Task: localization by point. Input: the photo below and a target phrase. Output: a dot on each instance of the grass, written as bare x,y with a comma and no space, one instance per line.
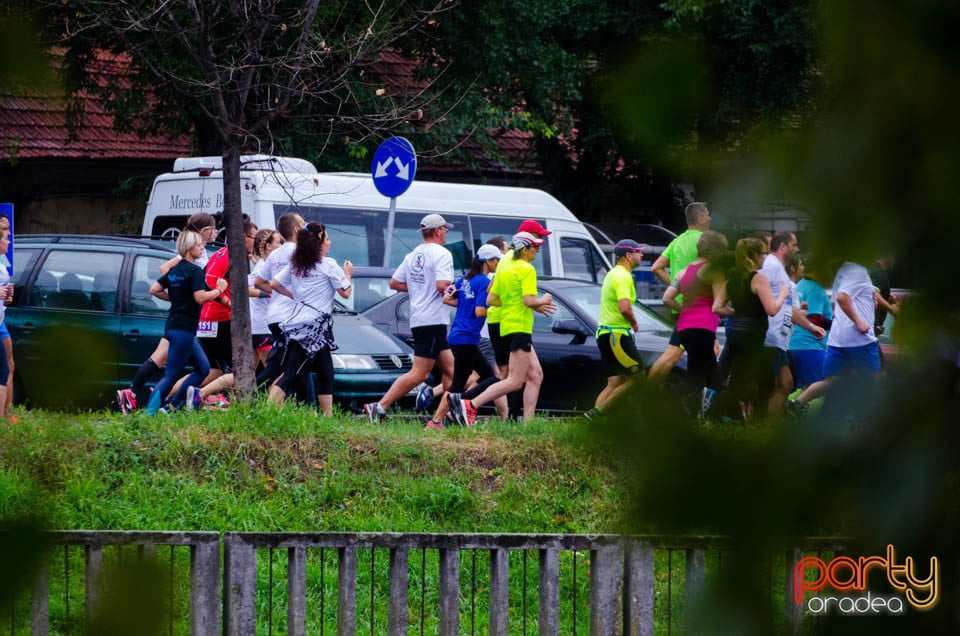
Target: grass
255,468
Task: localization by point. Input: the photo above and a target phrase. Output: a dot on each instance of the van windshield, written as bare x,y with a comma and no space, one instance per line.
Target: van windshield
360,235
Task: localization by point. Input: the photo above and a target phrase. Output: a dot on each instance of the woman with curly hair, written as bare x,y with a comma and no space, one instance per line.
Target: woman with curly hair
311,279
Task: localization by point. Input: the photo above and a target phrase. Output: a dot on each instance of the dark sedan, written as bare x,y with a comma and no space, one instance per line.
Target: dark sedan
565,341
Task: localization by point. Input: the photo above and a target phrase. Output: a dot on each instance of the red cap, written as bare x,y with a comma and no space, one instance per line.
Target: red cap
533,227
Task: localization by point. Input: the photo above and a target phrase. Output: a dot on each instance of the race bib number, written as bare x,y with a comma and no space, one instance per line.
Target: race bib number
207,329
787,327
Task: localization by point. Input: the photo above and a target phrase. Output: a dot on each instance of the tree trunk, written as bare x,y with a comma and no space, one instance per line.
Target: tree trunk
244,379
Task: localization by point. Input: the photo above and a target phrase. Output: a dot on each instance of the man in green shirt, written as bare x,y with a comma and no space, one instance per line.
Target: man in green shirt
681,252
618,349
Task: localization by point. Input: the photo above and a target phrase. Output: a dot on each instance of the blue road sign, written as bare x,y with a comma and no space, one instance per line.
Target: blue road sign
394,166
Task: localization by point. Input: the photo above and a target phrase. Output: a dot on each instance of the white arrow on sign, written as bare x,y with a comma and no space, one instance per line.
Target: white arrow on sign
382,169
404,172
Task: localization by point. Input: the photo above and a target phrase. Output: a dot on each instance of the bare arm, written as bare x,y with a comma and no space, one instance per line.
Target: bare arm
493,300
721,305
659,269
670,298
846,305
202,296
262,284
277,286
543,304
348,274
165,267
760,285
480,312
397,285
626,310
156,289
890,306
443,284
800,318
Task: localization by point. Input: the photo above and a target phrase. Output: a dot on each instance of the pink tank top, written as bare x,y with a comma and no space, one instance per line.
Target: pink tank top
697,310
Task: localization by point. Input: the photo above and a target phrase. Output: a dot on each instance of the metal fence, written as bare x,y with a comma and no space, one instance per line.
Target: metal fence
388,583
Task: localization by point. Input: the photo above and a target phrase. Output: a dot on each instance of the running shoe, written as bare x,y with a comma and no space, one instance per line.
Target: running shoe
218,401
706,401
455,402
126,400
469,413
432,425
424,397
374,412
193,398
593,415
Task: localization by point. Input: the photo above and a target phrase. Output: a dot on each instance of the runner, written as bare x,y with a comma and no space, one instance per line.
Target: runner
703,287
852,346
516,292
618,349
424,274
679,253
806,351
5,333
6,295
184,286
470,299
127,399
311,280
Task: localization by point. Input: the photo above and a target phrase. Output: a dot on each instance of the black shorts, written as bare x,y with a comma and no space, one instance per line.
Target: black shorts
618,351
429,341
519,342
675,337
219,350
501,355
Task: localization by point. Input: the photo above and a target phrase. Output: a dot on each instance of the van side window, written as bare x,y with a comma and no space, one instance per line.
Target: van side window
581,260
485,228
146,269
66,279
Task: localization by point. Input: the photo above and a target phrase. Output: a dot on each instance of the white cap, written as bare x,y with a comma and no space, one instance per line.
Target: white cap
525,239
486,252
433,221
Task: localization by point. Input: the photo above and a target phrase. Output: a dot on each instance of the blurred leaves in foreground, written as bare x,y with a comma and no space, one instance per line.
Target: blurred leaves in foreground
874,162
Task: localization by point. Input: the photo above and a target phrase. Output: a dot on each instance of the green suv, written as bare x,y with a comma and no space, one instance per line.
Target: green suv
82,320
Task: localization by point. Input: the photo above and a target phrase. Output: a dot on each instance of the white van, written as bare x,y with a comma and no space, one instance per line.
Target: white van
356,214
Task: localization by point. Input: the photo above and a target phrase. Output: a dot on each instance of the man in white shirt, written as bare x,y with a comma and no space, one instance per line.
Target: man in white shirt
425,274
783,246
852,345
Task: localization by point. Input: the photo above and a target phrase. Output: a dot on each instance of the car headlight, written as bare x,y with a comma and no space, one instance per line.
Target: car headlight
354,362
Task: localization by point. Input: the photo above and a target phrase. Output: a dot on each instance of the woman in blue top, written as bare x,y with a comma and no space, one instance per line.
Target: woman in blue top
807,352
184,286
469,296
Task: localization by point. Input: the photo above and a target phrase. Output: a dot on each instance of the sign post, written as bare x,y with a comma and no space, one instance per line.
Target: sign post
394,167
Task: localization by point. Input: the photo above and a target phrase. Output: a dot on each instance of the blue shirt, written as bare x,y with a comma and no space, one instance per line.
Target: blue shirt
813,294
466,325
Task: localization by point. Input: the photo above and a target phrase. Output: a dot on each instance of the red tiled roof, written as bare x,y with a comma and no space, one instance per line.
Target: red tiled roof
33,124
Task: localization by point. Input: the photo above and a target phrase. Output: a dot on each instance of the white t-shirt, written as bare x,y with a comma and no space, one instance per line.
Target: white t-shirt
280,306
779,326
258,309
420,270
313,292
854,281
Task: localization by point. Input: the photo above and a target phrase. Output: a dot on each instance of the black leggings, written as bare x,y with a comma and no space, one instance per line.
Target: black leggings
702,369
467,359
298,364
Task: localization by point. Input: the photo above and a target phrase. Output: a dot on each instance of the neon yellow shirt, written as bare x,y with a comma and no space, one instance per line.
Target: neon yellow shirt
520,280
493,313
681,252
617,284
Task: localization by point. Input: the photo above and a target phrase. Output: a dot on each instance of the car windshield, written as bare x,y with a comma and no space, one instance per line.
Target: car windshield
587,298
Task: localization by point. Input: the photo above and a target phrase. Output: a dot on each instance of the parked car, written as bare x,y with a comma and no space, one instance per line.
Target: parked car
82,320
565,342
